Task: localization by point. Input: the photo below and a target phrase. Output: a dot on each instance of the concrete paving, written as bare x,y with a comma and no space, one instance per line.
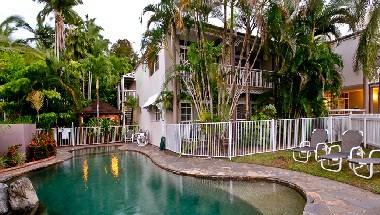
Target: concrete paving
323,196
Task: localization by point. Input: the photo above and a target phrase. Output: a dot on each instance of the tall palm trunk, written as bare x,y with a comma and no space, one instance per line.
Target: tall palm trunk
175,81
59,33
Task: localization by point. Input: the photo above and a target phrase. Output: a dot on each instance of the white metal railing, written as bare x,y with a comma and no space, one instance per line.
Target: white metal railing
257,78
253,78
340,112
240,138
128,93
77,136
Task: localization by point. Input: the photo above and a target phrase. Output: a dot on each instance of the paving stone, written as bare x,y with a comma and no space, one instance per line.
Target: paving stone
324,196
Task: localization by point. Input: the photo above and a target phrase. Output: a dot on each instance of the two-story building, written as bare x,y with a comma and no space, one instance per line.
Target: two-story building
358,95
148,83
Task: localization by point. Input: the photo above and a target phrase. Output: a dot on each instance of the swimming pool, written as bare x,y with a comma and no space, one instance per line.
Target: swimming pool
129,183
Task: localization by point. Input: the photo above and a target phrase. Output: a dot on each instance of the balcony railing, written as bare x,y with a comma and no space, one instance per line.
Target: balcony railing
343,112
255,78
128,93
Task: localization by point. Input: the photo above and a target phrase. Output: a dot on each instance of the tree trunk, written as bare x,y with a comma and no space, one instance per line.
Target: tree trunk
175,81
59,34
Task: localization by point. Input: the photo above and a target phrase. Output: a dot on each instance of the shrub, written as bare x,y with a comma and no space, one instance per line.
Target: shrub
267,113
3,163
14,157
42,146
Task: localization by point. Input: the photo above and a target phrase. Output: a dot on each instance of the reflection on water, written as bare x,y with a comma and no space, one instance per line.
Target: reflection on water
85,171
143,188
115,166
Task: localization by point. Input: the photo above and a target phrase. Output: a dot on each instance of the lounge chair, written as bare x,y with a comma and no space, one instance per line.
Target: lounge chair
351,142
368,162
129,136
318,139
142,138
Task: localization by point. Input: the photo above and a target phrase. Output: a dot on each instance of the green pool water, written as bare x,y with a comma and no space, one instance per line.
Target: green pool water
129,183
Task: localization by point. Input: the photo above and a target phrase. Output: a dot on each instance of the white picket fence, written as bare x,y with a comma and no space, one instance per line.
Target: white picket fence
232,139
78,136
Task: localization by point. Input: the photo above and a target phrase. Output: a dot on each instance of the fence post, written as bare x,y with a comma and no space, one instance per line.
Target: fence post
72,134
179,138
349,122
331,129
365,131
230,140
273,135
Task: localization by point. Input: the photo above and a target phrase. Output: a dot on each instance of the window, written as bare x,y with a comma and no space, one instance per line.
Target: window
157,63
186,112
156,66
157,114
240,112
183,48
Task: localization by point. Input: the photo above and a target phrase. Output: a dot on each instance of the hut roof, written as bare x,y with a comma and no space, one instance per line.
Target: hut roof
104,108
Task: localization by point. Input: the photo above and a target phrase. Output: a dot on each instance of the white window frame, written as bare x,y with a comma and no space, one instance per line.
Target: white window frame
191,111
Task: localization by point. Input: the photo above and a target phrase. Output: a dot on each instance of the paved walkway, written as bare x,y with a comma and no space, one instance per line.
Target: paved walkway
324,196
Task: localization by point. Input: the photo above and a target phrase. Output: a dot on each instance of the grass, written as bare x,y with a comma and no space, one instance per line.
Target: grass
284,160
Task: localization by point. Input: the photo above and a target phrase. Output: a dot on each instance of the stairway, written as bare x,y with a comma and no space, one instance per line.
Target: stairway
128,116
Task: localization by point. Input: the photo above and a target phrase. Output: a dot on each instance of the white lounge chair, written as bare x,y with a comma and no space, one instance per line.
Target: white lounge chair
351,143
369,162
317,142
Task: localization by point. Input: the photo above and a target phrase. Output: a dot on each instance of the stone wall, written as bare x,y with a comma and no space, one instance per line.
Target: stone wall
14,134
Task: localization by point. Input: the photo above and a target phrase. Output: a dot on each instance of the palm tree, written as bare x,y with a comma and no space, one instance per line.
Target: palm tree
7,28
368,49
305,63
63,12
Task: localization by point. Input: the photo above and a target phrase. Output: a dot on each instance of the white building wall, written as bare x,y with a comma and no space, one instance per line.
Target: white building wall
347,49
147,86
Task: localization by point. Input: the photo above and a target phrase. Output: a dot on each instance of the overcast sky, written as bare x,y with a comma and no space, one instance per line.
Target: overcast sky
119,18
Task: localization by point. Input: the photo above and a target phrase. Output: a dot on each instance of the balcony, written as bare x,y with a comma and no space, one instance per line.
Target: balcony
128,93
254,79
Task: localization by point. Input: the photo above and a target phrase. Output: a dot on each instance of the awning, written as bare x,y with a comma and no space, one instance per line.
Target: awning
151,100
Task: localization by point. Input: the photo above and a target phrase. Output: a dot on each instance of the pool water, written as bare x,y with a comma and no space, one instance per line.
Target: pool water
129,183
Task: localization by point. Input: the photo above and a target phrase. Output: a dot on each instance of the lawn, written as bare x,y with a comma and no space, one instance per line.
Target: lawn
284,160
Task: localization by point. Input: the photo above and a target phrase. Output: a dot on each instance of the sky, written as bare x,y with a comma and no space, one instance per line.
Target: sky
120,19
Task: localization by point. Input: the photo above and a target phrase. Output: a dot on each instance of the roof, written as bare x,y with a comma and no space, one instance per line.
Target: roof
347,37
151,100
104,108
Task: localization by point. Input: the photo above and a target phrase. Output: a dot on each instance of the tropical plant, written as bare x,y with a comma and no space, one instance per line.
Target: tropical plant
305,64
63,13
166,98
131,102
42,146
14,157
267,113
36,98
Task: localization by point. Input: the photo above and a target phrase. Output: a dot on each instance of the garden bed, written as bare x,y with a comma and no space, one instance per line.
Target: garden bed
284,160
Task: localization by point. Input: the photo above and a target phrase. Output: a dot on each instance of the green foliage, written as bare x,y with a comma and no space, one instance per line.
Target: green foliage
166,98
14,157
305,64
267,113
3,163
42,146
131,102
19,120
47,120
